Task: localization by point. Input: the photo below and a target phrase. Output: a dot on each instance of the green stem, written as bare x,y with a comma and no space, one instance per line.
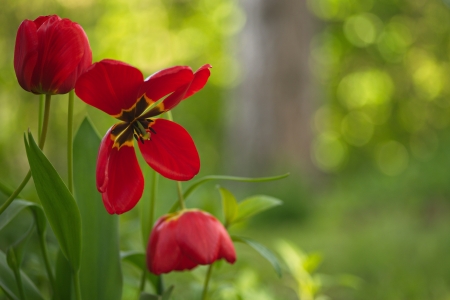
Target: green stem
142,284
180,195
76,281
151,220
47,261
70,142
205,286
41,145
151,212
41,114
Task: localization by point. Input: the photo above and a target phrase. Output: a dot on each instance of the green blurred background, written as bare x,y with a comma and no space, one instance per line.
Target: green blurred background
366,139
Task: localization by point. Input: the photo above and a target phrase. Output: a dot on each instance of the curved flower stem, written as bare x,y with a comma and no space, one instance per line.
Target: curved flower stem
41,146
76,275
70,142
205,286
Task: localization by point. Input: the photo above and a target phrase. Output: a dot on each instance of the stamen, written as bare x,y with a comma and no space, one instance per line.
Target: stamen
152,130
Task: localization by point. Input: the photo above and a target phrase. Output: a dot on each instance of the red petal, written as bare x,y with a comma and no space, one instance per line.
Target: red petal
102,161
198,237
226,249
85,62
197,83
171,151
123,181
110,86
25,53
166,81
60,50
163,253
200,78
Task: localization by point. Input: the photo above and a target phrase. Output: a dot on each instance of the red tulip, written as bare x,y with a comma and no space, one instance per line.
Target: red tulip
50,54
186,239
121,91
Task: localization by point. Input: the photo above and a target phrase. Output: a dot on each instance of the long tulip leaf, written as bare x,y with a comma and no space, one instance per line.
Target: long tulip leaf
58,203
100,269
8,282
266,253
63,278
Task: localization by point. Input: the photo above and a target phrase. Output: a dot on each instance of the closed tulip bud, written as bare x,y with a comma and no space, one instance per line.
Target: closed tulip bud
50,54
186,239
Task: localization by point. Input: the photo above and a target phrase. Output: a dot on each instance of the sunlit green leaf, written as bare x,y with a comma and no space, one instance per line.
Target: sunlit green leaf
230,206
8,282
137,259
59,206
254,205
100,268
266,253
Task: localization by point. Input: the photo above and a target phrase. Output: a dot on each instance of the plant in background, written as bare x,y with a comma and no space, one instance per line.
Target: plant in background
50,55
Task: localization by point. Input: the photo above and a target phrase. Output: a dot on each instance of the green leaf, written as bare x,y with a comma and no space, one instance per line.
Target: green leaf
19,205
254,205
8,282
15,252
205,179
266,253
100,268
137,259
59,206
230,206
63,278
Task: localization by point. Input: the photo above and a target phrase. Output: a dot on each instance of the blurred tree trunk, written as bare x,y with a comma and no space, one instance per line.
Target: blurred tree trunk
272,108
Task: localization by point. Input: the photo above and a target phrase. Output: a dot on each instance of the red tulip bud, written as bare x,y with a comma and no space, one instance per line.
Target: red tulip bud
50,54
186,239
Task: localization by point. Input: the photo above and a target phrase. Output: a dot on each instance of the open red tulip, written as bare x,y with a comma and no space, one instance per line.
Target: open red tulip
50,54
121,91
186,239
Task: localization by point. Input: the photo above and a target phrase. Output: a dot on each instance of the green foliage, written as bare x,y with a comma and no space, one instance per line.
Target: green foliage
229,206
266,253
100,269
137,259
9,285
59,206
